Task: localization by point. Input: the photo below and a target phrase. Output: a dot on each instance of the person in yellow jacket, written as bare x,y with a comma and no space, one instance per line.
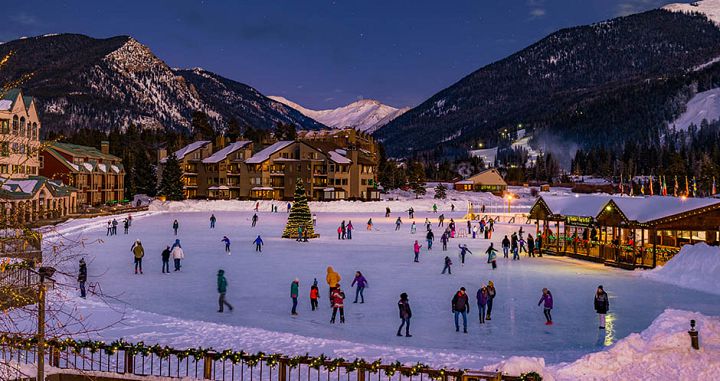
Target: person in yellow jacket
332,278
138,252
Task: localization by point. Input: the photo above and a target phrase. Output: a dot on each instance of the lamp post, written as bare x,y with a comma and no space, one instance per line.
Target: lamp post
509,198
44,272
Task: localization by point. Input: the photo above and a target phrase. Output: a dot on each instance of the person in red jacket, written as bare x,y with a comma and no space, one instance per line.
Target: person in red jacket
338,297
314,296
416,249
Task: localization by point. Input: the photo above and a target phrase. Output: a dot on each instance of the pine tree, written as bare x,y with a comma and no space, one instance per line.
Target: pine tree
171,183
299,214
440,191
144,174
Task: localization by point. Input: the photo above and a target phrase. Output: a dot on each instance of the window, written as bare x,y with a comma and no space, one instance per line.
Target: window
15,125
42,161
4,126
22,126
35,131
5,149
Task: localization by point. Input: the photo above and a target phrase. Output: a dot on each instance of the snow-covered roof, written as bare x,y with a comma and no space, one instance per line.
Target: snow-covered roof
338,157
584,206
464,182
265,153
5,104
221,187
180,154
261,188
651,208
223,153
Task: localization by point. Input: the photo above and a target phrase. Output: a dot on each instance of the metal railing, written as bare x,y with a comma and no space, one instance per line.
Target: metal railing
141,360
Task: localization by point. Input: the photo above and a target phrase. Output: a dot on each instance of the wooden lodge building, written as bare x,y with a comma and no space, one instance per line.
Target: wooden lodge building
625,232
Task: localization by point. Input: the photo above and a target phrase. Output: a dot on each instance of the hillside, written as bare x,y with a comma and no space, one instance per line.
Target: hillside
601,84
365,115
82,82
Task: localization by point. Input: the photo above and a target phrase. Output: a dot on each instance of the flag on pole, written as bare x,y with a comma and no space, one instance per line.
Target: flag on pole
675,190
664,186
622,184
694,187
714,189
651,186
632,191
687,187
642,186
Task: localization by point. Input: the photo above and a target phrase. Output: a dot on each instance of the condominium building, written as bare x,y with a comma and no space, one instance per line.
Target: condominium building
19,135
98,176
190,159
220,173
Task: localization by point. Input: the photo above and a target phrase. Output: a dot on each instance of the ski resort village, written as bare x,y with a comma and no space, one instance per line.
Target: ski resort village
465,191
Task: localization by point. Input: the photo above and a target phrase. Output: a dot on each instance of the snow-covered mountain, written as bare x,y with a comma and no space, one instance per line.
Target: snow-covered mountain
83,82
365,115
711,8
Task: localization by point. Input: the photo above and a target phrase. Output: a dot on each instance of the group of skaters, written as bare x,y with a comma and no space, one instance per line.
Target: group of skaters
113,224
516,244
344,231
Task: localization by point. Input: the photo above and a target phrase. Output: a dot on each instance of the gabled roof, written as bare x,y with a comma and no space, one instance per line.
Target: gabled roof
488,176
655,208
225,152
88,166
83,151
20,189
264,154
8,99
188,149
584,206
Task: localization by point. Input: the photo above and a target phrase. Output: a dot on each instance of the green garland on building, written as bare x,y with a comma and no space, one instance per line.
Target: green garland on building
300,215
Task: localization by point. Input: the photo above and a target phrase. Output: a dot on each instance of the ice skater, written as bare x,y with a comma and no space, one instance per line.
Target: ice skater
444,239
416,250
412,228
505,246
448,263
254,220
178,254
212,221
175,226
222,289
547,301
491,297
405,315
463,251
138,254
398,222
349,228
314,219
258,243
492,256
314,294
482,299
370,224
109,228
602,305
460,307
165,256
294,291
361,284
337,297
226,241
387,212
430,237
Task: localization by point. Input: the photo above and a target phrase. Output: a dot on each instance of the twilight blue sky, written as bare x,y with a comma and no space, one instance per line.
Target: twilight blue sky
323,54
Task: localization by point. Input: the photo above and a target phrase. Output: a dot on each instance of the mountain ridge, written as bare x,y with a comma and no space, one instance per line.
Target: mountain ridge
366,115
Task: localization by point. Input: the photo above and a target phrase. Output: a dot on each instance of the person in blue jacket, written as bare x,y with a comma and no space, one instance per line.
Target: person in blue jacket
258,243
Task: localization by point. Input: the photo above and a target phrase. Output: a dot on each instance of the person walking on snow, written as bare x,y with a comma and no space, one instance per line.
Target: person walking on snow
398,222
226,241
314,293
492,256
547,301
165,256
254,220
405,315
82,277
178,254
430,237
463,251
505,246
333,279
212,221
491,297
602,305
412,228
258,243
222,289
349,229
482,299
337,297
460,307
361,284
416,250
175,226
447,268
294,292
138,253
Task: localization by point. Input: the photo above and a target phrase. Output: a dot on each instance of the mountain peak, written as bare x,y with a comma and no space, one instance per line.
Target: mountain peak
365,114
710,8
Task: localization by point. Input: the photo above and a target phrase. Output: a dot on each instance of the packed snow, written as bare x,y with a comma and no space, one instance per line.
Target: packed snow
179,309
695,266
365,115
711,8
703,106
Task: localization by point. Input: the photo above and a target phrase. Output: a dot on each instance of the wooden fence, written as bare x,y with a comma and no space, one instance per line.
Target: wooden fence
120,358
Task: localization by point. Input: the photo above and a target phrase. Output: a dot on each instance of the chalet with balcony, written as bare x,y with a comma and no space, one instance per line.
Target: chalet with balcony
190,158
221,172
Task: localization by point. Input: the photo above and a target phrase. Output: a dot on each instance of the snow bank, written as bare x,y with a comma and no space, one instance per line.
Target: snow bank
661,352
695,267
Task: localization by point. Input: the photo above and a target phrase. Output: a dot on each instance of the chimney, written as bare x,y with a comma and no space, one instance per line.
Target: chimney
105,147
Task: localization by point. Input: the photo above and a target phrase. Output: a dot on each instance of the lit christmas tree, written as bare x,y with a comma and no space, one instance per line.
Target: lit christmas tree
300,215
